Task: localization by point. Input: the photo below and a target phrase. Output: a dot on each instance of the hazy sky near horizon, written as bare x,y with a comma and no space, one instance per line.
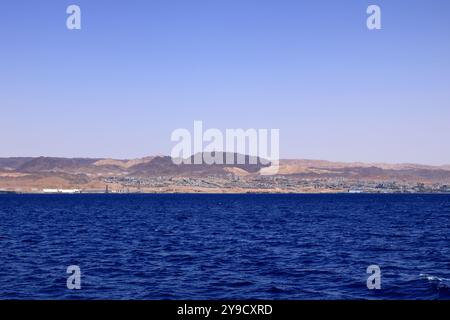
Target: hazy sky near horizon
137,70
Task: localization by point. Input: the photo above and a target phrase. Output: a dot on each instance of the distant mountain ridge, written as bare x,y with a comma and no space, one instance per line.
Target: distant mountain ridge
41,164
37,173
148,166
164,163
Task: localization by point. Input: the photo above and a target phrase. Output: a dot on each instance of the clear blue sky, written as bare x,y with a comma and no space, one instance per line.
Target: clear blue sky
140,69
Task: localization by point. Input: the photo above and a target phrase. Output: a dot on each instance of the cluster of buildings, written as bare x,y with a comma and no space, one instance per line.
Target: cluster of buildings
280,183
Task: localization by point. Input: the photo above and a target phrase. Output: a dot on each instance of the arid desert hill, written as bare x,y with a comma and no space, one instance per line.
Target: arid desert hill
38,173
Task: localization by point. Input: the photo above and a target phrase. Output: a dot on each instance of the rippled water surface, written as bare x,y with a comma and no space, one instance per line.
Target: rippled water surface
224,246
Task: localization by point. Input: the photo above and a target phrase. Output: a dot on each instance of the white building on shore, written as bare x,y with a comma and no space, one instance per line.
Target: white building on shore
69,191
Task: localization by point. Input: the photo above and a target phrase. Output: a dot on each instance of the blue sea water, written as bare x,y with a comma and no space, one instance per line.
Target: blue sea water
225,246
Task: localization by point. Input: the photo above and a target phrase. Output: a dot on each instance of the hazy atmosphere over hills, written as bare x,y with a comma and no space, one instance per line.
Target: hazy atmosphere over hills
160,174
